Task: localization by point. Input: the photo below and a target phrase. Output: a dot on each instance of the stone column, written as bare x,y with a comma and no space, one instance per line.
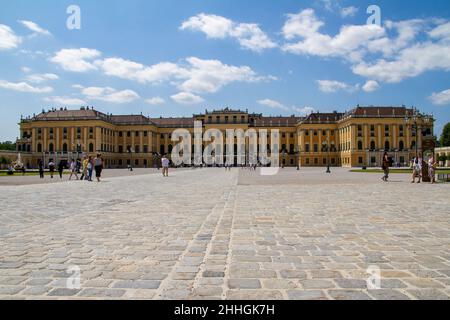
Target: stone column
366,137
45,144
98,139
33,140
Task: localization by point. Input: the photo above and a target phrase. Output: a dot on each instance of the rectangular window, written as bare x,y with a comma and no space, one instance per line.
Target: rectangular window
120,134
128,133
145,133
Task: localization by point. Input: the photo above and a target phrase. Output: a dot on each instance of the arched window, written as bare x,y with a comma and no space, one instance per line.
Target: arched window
372,145
386,146
39,147
360,145
161,149
50,147
19,147
401,145
91,147
413,145
65,147
170,148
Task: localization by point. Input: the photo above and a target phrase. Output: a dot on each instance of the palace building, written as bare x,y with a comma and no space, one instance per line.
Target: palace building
356,138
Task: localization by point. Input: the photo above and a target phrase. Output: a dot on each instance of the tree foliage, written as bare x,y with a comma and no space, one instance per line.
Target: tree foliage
445,137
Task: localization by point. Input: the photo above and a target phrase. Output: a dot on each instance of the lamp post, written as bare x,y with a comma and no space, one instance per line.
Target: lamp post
130,151
284,158
414,127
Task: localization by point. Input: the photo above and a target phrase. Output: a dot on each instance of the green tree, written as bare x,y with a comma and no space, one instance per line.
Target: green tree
445,137
7,145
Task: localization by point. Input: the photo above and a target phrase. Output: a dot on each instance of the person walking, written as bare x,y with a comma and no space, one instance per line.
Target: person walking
41,169
51,168
98,166
165,165
84,175
385,167
90,168
60,169
432,169
73,169
417,168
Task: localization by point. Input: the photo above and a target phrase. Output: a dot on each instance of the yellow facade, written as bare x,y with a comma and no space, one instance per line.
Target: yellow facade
352,139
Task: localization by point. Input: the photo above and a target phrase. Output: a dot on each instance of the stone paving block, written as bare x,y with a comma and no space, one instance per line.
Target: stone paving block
102,293
244,284
306,295
349,295
63,292
136,284
10,290
254,295
388,294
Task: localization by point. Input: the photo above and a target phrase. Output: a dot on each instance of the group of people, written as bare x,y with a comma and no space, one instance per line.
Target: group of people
416,165
86,168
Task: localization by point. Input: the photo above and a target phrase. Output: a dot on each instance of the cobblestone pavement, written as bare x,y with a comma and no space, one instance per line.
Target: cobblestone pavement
211,234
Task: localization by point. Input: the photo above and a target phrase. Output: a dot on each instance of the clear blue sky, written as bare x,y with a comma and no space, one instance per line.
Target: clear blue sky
176,58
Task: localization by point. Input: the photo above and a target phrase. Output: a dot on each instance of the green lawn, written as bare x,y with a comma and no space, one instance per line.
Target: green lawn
438,171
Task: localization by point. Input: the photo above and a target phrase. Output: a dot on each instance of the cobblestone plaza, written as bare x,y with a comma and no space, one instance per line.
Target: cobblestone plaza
214,234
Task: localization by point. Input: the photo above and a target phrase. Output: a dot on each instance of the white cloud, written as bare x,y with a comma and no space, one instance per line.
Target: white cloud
348,11
130,70
370,86
155,101
38,78
24,87
272,104
331,86
108,94
409,62
441,32
349,43
406,31
76,60
66,101
249,35
25,69
8,39
208,76
186,98
304,111
192,75
441,98
391,53
34,27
